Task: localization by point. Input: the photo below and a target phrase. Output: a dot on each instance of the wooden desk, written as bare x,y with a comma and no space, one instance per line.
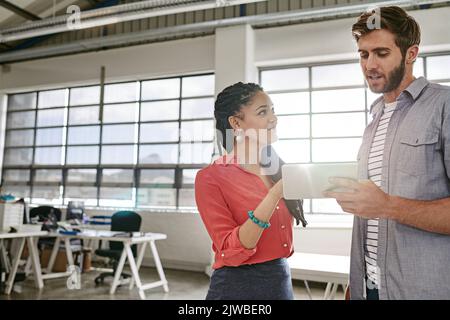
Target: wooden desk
29,237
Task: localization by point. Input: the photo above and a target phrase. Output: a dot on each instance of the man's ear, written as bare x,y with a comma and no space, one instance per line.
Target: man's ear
412,54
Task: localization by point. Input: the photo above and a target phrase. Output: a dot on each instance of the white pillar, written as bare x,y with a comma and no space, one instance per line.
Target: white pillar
3,99
234,59
234,56
234,62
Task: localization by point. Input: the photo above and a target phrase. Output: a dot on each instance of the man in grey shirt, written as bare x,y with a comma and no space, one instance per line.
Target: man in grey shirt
402,211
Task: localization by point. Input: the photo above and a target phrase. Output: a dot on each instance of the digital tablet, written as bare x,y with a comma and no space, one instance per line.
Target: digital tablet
309,181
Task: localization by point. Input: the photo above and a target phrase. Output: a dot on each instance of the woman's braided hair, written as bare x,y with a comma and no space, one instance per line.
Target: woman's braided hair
228,103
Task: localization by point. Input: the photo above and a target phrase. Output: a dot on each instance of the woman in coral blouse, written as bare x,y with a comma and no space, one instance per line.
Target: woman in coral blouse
241,205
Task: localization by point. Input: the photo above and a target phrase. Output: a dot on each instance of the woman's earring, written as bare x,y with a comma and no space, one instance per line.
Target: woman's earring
238,133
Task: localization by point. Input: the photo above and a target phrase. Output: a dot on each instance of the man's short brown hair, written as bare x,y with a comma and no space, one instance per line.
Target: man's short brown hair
394,19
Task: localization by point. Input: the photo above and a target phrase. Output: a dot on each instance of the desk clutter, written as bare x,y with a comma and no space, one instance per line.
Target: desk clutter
100,220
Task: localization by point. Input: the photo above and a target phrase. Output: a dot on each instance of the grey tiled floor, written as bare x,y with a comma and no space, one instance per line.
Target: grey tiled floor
183,285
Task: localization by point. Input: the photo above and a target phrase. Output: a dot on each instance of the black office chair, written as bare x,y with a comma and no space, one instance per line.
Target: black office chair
49,216
126,221
45,212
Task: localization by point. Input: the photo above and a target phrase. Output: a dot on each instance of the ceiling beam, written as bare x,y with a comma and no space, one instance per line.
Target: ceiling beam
19,11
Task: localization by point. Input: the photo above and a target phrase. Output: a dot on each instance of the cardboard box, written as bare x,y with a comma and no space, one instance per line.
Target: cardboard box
60,261
60,264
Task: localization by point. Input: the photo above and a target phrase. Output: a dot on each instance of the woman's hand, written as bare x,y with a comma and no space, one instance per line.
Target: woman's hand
277,190
249,232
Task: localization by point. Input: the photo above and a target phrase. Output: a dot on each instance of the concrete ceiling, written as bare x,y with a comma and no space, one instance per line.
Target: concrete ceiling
39,8
145,30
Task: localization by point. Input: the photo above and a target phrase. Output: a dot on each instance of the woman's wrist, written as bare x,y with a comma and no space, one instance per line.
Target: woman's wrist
259,222
275,194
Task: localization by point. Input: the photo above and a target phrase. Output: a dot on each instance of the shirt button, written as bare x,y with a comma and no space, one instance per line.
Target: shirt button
285,245
283,226
223,254
278,208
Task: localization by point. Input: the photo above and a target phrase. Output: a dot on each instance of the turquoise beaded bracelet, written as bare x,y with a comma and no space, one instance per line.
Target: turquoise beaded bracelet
260,223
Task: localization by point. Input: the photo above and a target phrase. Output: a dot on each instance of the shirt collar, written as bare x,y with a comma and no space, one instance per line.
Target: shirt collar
414,89
226,160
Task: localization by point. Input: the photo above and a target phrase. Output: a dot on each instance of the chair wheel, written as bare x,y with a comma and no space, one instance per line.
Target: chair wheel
98,280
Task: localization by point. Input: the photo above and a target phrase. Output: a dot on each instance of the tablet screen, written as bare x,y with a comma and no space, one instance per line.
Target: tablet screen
309,181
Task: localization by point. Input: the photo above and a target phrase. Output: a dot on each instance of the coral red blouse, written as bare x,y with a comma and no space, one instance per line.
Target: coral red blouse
224,193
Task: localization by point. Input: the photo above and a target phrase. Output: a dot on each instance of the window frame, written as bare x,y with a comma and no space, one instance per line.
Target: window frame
311,89
136,167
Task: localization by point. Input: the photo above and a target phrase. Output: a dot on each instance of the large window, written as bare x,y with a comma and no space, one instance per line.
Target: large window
144,143
323,109
140,147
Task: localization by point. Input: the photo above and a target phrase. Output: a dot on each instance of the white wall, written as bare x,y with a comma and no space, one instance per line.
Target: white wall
132,63
188,245
332,40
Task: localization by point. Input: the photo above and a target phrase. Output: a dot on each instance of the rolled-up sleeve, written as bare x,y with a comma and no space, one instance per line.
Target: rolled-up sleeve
219,222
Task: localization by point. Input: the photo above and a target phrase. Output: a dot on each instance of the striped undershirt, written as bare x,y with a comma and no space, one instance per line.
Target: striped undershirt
375,167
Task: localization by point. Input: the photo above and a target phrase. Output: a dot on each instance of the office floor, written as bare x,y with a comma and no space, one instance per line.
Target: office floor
183,285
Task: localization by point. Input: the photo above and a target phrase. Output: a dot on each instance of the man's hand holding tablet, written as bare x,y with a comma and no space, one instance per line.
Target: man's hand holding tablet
365,198
338,181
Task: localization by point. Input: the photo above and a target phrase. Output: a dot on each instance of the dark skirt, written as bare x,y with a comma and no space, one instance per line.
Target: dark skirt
269,280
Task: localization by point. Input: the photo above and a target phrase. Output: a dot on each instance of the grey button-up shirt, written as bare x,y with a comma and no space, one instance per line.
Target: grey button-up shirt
413,263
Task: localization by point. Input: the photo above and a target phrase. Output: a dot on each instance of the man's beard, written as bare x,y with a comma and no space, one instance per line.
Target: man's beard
394,79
